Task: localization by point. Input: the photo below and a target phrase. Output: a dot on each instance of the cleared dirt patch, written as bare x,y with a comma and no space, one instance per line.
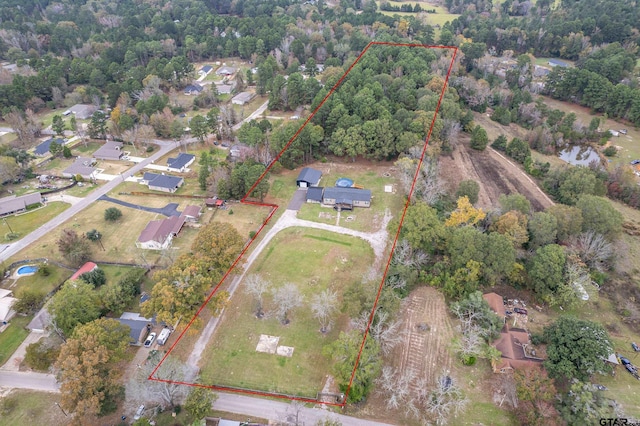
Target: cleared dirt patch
495,174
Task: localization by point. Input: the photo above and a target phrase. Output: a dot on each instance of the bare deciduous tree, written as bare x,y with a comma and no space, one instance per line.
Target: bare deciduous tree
593,249
445,400
324,307
385,331
428,187
257,286
164,394
286,298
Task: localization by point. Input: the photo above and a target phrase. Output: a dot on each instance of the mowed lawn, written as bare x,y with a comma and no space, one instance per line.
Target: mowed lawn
40,283
25,223
313,260
12,337
23,407
370,177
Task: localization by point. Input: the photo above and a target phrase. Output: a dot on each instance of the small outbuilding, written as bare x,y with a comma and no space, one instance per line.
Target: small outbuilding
87,267
308,177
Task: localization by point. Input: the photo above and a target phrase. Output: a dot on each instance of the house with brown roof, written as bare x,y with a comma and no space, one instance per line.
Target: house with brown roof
191,213
111,150
159,234
496,303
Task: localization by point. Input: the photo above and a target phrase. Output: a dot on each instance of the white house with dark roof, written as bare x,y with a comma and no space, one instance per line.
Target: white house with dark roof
158,234
111,150
164,183
180,163
243,98
205,70
308,177
14,204
193,89
81,111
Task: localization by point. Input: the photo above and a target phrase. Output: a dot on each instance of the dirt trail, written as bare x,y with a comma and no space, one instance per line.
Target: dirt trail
496,175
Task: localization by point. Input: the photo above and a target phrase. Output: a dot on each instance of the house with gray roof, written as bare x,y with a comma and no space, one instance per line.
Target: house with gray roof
308,177
164,183
243,98
158,234
193,89
81,111
139,327
225,70
225,89
43,149
111,150
14,204
346,198
83,166
180,163
205,70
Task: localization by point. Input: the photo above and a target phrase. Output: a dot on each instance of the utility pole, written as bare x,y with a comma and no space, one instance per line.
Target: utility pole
7,223
65,414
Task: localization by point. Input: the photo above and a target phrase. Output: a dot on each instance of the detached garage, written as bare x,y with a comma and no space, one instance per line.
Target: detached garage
308,177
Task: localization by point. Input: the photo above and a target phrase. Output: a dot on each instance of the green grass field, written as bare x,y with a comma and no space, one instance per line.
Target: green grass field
327,260
12,337
40,283
27,222
23,407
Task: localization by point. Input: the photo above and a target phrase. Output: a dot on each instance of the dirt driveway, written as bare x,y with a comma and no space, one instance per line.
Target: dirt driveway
495,173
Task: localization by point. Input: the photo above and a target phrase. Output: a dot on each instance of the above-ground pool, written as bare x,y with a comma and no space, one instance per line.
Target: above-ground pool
27,270
344,183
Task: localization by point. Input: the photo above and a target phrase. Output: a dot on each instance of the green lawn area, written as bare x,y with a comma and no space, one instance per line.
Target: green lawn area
23,407
86,149
330,261
441,16
84,190
12,337
41,283
27,222
369,177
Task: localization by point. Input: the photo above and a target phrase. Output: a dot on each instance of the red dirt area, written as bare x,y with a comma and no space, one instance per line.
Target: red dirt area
494,172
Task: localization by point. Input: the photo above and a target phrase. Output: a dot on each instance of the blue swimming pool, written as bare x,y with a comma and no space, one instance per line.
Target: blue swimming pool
26,270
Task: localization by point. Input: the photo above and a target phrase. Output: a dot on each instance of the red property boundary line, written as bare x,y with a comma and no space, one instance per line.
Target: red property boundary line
275,207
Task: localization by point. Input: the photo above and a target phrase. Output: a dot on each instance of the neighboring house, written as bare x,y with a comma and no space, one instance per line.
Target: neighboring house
225,89
512,344
43,149
40,322
225,70
81,111
539,71
111,150
87,267
243,98
83,166
314,194
205,70
214,202
180,163
557,63
217,421
159,234
164,183
13,204
139,327
6,302
346,198
191,213
193,89
239,151
496,303
308,177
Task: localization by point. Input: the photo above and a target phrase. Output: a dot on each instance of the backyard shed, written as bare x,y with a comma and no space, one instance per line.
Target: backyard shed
308,177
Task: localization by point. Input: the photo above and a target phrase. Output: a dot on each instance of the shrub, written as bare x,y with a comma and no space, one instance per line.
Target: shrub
150,148
44,270
610,151
112,214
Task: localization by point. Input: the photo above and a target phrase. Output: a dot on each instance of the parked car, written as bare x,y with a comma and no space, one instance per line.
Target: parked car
623,360
631,369
634,162
635,347
150,339
508,312
600,387
623,131
139,412
520,311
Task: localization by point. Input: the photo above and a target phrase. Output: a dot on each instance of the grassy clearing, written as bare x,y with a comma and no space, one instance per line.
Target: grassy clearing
84,190
40,283
246,110
12,337
25,407
232,360
245,218
27,222
88,149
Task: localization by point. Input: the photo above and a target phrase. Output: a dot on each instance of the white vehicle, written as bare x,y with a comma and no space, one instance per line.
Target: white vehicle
164,335
150,339
139,412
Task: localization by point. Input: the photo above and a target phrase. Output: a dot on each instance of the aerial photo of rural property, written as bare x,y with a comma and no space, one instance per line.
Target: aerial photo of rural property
319,212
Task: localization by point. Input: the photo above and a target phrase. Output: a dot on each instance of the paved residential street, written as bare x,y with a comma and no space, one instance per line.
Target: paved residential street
29,380
275,410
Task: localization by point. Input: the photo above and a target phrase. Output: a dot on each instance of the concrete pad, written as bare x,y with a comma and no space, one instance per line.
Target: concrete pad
267,344
285,351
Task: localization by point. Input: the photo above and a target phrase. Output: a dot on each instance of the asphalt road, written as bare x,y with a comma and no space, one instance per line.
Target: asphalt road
34,236
275,410
29,380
